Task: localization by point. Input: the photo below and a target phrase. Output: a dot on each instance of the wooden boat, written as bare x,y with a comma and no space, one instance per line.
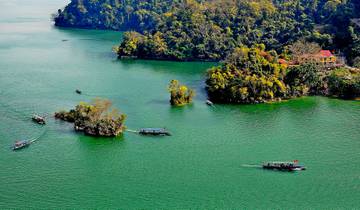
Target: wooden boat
21,144
154,131
284,166
38,119
78,91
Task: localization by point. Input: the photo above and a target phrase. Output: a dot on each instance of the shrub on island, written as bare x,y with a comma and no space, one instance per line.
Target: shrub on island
180,94
95,119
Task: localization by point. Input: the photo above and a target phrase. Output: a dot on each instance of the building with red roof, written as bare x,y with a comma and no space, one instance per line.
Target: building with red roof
326,57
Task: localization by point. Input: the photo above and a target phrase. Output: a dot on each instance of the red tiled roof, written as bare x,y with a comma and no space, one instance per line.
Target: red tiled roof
282,61
325,53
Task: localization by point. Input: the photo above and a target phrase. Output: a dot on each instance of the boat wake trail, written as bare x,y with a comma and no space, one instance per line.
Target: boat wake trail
34,139
250,166
132,131
42,134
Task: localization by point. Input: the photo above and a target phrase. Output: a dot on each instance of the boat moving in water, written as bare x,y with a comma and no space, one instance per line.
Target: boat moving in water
78,91
284,166
38,119
209,103
154,131
22,144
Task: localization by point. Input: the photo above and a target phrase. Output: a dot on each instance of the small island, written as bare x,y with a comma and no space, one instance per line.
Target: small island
96,118
180,94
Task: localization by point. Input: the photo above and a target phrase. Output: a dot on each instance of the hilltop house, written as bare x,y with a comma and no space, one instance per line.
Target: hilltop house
325,57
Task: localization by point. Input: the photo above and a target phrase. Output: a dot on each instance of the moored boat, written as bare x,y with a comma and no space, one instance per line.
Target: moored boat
38,119
284,166
154,131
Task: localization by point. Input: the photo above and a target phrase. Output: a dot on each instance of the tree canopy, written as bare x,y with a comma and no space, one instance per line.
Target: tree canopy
250,75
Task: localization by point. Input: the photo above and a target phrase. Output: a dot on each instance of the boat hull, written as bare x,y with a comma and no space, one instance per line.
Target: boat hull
20,147
154,132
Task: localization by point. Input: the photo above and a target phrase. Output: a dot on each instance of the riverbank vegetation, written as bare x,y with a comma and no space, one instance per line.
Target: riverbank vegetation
345,83
180,94
95,119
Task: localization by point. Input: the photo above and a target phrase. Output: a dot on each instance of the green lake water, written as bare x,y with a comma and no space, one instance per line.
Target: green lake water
208,163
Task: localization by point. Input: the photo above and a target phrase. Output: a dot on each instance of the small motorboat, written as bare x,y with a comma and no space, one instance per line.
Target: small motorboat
209,103
21,144
38,119
154,131
284,166
78,91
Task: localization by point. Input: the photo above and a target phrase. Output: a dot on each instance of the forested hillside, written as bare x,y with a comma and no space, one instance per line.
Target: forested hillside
112,14
211,29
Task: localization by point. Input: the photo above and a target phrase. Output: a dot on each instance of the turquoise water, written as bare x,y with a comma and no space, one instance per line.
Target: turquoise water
209,161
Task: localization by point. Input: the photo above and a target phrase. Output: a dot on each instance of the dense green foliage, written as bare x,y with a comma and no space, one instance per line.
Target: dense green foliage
112,14
249,75
304,79
95,119
180,94
212,29
345,83
353,48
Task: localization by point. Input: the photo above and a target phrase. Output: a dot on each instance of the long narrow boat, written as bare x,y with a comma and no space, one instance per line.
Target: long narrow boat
22,144
284,166
154,131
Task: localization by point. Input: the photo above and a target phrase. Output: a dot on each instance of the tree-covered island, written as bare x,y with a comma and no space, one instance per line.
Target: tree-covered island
271,49
95,119
180,94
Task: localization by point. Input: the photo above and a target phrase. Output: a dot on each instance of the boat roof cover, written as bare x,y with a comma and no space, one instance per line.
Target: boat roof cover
153,129
281,162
